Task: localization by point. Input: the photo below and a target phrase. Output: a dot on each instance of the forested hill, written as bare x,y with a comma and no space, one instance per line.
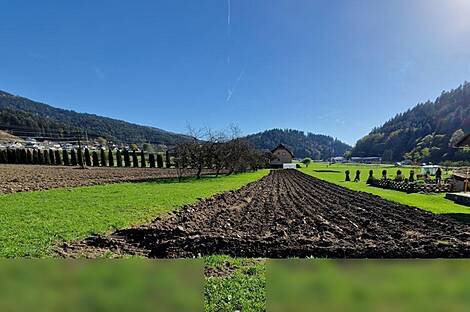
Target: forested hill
302,144
424,133
21,113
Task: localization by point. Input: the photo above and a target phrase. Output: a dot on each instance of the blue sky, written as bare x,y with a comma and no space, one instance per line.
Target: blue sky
332,67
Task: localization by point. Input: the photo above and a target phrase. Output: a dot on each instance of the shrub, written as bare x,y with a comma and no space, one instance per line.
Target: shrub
29,157
104,163
119,158
152,160
17,156
135,160
357,178
96,161
47,160
167,159
3,156
143,163
384,174
111,158
65,157
159,161
58,160
299,166
80,157
399,177
370,179
73,157
348,178
51,157
23,156
127,159
35,157
87,157
41,160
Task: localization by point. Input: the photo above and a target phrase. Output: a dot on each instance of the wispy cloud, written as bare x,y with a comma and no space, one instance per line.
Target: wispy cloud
233,88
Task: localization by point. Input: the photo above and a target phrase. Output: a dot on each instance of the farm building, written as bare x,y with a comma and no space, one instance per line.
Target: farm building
281,155
458,179
367,160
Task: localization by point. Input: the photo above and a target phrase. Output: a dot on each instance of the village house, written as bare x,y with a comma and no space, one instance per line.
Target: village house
281,157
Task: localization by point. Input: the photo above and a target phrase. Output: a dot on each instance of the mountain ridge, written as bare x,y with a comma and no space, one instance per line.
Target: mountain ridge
423,133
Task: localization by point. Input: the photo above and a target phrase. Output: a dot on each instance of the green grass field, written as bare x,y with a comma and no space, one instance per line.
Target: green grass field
433,203
32,223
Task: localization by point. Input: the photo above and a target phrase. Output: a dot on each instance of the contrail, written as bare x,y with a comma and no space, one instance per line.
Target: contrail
228,12
231,91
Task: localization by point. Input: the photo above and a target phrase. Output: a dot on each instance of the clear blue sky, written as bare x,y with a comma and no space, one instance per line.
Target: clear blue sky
335,68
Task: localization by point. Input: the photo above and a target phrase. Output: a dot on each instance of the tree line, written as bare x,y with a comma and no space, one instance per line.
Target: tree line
425,133
203,149
78,157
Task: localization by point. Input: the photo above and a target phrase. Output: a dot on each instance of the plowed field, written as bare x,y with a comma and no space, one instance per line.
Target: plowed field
290,214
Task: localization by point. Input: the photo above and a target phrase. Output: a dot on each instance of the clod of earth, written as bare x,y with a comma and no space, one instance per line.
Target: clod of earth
290,214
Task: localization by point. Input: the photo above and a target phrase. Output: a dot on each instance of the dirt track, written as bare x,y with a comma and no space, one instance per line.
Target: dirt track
290,214
25,178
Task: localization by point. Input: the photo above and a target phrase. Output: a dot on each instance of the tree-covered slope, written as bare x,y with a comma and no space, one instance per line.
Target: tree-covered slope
41,118
425,133
302,144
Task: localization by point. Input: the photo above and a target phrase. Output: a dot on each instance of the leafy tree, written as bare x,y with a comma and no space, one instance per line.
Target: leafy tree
134,147
306,161
148,148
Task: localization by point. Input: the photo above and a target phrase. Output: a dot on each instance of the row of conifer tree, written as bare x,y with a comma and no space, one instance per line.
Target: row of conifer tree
88,158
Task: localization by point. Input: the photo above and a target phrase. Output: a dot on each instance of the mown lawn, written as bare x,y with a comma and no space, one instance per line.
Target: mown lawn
31,224
433,203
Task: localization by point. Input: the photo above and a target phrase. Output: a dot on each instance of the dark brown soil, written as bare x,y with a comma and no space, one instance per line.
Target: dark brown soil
290,214
24,178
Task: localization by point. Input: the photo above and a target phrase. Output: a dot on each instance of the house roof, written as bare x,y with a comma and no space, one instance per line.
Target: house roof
465,141
282,147
461,174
